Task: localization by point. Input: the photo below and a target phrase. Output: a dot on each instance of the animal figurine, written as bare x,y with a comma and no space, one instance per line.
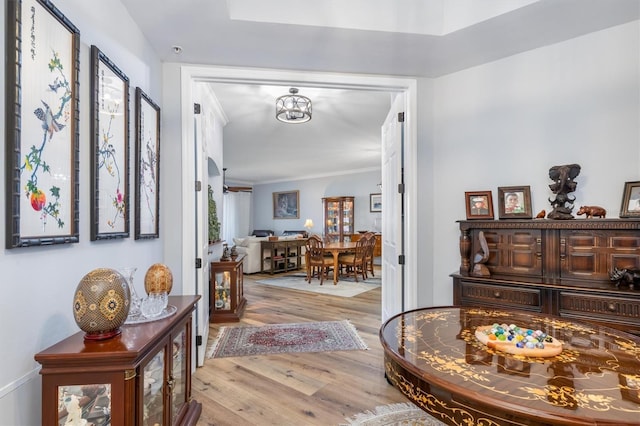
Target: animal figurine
592,211
625,276
542,214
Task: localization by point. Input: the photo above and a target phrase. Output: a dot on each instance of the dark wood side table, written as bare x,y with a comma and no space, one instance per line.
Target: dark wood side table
433,357
142,376
284,255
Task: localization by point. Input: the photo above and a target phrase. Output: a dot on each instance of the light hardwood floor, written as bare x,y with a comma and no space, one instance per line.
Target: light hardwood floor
321,388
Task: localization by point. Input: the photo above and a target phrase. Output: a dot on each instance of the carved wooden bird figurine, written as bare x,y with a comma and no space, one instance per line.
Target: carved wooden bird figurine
541,215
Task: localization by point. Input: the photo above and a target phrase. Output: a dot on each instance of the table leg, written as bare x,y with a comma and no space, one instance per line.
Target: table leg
336,253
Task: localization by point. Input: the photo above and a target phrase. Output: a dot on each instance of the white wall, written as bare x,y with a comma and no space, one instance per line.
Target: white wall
39,282
506,123
358,185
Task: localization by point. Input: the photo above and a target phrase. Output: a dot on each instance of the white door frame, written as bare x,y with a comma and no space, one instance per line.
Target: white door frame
190,75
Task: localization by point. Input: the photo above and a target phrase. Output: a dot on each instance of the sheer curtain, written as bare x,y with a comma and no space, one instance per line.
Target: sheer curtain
236,215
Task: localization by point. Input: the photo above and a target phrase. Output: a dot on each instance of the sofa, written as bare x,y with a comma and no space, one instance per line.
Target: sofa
250,247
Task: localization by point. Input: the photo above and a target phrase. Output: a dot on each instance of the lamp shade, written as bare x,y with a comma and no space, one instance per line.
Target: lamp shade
308,224
293,108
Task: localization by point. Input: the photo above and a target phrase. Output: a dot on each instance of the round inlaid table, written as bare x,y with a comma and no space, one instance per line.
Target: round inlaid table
433,357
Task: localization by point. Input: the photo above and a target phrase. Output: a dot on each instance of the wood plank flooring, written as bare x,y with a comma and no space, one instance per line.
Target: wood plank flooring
300,389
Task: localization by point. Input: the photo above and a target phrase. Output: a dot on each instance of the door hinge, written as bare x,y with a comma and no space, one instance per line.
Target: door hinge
196,108
198,340
401,188
401,117
198,263
198,186
401,259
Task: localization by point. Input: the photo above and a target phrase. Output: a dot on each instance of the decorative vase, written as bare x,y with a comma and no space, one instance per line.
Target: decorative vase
101,303
158,279
128,272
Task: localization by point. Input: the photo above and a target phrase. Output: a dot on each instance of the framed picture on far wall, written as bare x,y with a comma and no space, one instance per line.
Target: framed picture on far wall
375,202
479,205
514,202
630,200
285,205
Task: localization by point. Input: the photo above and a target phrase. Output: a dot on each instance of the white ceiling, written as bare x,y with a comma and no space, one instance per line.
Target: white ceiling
425,38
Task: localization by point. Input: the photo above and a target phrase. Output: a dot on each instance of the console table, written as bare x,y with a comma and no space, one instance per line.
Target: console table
141,377
433,357
284,255
558,267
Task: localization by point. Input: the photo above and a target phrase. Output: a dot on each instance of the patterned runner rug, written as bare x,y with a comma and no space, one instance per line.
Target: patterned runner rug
403,414
286,338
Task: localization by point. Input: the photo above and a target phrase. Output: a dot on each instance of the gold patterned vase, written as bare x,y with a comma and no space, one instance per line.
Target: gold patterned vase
101,303
158,279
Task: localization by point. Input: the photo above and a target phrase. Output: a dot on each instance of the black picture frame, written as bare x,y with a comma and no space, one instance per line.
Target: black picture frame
514,202
110,149
42,125
147,167
479,205
630,207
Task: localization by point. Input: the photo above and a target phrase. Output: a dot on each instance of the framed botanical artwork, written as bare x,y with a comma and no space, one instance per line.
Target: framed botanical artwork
42,125
479,205
286,205
147,167
375,202
630,200
109,149
514,202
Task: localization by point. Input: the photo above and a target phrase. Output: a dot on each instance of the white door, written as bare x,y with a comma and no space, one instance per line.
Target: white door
201,231
392,211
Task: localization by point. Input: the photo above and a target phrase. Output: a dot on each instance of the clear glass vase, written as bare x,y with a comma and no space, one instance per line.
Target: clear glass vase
128,272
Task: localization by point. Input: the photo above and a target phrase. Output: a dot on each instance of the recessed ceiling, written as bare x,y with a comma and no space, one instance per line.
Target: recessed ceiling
426,17
421,38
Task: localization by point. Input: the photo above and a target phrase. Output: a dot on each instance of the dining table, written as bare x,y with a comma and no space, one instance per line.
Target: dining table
335,248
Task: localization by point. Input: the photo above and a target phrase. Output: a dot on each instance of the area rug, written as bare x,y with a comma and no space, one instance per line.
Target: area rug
346,287
403,414
321,336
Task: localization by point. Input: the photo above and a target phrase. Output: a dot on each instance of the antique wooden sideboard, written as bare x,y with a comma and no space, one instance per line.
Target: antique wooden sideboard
558,267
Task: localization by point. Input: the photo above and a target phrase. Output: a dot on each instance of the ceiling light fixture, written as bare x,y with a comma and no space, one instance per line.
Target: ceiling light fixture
293,108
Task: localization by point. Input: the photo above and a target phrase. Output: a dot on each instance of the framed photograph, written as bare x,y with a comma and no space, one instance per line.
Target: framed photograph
375,202
631,200
42,125
479,205
514,202
109,149
147,167
285,205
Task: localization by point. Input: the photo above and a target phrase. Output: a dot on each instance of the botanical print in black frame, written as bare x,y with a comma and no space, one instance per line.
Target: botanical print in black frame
42,125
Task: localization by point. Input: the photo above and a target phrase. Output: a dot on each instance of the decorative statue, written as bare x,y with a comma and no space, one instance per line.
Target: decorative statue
625,276
481,257
563,176
225,254
234,252
592,211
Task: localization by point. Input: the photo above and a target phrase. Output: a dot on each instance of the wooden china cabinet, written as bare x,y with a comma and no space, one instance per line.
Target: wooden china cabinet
140,377
558,267
226,291
338,218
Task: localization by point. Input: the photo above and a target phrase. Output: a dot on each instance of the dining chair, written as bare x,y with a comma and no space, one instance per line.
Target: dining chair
368,259
317,261
354,261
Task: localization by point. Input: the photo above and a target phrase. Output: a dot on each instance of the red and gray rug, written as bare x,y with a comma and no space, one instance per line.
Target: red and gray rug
321,336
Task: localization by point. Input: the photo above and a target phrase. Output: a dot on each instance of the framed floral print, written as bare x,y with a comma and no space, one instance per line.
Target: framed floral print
630,200
42,125
147,167
514,202
479,205
110,149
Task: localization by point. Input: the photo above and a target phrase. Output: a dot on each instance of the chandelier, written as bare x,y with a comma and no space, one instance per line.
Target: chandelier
293,108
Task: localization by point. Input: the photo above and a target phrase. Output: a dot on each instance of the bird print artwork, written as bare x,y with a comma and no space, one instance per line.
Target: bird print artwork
49,123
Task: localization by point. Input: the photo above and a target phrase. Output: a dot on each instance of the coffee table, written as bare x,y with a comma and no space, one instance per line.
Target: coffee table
433,357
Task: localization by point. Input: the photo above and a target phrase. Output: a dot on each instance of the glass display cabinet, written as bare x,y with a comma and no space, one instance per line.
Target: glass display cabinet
226,292
141,377
338,218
